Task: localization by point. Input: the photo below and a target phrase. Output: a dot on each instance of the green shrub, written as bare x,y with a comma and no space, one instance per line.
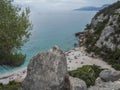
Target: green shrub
13,60
116,66
11,86
87,73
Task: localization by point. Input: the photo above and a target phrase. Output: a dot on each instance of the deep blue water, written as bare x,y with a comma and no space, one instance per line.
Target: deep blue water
52,28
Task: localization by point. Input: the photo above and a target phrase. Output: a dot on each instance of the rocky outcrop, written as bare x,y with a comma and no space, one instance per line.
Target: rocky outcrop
47,71
104,28
109,34
77,84
103,35
101,85
108,80
109,75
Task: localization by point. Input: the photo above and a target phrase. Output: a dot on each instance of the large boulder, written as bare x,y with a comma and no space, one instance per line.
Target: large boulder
47,71
77,84
110,75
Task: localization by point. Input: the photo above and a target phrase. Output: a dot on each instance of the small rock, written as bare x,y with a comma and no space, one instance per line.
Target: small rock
98,81
106,86
110,75
77,84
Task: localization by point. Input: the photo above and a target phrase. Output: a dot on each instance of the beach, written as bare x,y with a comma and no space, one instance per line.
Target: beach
17,76
76,58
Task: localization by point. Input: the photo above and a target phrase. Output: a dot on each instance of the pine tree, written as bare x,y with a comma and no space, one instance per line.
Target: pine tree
14,32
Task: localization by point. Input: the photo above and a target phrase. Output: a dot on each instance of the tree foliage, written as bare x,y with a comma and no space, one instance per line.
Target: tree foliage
11,86
14,32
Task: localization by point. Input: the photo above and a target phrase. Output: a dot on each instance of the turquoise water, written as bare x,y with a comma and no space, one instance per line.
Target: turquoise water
52,28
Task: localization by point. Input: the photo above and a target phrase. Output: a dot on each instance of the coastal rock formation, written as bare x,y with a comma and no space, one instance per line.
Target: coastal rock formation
77,84
109,34
108,80
103,31
47,71
101,37
106,86
105,24
101,85
109,75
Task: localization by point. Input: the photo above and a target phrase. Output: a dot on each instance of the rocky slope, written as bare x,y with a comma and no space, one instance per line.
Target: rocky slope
102,35
105,27
48,71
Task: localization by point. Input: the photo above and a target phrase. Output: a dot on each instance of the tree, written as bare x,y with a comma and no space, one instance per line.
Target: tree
14,32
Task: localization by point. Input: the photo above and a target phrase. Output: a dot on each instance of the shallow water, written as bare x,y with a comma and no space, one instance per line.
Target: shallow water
52,28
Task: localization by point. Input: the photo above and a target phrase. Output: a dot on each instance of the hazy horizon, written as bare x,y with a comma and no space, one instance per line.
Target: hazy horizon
61,5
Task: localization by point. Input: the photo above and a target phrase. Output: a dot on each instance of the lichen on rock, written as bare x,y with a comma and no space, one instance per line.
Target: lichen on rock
46,71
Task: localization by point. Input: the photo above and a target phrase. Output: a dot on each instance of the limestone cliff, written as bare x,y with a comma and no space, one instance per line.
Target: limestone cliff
102,35
105,27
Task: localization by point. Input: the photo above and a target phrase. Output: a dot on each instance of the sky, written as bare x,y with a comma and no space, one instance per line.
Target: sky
63,4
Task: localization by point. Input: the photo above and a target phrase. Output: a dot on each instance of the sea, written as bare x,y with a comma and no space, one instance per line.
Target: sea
52,28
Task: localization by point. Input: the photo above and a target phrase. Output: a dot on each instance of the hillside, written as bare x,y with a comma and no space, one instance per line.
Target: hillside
92,8
102,35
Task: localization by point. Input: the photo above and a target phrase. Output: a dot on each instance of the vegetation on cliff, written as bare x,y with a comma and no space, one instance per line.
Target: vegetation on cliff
111,19
87,73
14,32
109,10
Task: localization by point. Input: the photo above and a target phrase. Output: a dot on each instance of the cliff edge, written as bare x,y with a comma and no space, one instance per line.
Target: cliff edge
102,35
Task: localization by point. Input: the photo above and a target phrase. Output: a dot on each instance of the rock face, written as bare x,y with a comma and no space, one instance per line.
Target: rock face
109,75
109,35
104,28
77,84
47,71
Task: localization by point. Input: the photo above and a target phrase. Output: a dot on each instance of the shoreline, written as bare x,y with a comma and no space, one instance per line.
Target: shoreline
76,57
17,76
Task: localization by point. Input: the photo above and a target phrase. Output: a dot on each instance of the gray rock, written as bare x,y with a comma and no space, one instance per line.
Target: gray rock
101,85
77,84
98,19
98,81
108,34
47,71
110,75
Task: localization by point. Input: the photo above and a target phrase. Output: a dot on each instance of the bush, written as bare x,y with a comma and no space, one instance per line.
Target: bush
15,59
87,73
11,86
116,66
